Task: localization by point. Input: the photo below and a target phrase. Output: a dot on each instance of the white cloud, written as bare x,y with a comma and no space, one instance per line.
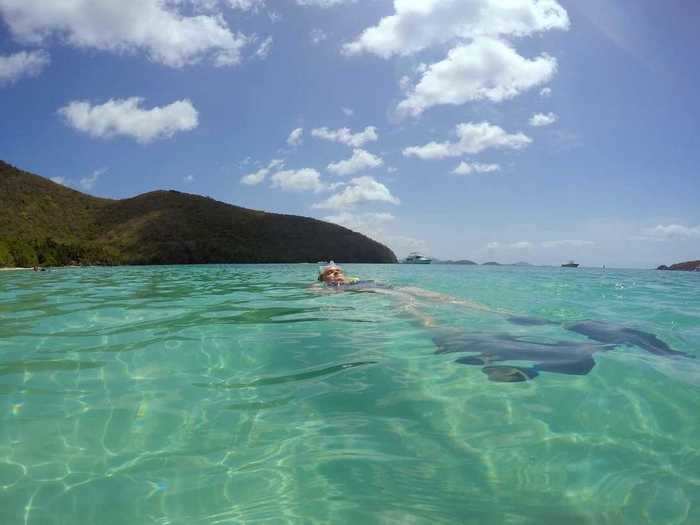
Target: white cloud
189,179
567,243
296,137
673,231
264,48
347,112
519,246
485,69
545,92
359,190
22,64
374,225
543,119
88,183
317,36
127,118
322,3
59,180
154,27
360,160
246,5
473,138
347,137
306,179
419,24
369,224
466,168
253,179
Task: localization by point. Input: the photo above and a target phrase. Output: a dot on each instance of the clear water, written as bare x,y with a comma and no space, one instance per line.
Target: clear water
236,394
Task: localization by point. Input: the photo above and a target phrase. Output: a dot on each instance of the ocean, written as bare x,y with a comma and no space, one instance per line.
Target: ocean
191,395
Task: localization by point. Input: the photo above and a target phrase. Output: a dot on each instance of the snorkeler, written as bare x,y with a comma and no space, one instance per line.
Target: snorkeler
494,352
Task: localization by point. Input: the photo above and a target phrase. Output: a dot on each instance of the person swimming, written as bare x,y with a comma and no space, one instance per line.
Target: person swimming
495,352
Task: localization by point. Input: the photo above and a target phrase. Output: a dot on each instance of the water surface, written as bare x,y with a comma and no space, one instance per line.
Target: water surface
237,394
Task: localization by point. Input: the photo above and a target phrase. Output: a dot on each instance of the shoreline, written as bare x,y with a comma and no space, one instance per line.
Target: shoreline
12,269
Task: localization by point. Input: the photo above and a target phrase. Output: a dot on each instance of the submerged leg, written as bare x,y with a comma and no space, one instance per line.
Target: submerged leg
575,367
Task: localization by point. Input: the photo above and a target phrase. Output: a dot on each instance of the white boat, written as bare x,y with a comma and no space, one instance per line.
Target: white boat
417,258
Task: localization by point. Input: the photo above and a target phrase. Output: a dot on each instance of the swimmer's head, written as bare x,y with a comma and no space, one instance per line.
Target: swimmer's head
331,274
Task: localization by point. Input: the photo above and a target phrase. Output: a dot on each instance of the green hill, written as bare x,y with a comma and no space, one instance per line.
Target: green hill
46,223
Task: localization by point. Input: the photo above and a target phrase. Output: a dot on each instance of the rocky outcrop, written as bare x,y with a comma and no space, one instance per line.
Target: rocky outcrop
688,266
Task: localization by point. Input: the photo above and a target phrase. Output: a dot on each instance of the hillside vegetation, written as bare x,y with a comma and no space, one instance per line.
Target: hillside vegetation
49,224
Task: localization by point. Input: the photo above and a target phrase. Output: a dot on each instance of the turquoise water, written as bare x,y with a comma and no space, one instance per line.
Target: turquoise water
239,394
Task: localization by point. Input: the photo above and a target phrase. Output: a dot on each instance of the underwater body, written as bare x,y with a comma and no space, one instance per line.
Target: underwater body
240,394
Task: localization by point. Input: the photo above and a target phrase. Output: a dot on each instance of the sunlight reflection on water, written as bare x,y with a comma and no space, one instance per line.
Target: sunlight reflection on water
229,394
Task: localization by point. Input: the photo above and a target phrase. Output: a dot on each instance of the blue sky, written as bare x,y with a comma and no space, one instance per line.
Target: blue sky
509,130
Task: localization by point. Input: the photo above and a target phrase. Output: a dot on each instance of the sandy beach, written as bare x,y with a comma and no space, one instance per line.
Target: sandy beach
12,269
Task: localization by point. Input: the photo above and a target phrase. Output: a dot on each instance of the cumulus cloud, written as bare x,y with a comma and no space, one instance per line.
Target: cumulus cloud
485,69
673,232
360,160
419,24
347,137
59,180
296,137
188,179
472,138
347,112
545,92
22,64
359,190
128,119
154,27
306,179
466,168
543,119
253,179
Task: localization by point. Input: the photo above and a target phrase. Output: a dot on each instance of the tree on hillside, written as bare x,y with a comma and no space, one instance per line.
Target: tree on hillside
6,259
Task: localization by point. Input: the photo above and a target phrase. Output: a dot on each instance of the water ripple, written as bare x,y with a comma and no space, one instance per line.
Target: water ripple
238,394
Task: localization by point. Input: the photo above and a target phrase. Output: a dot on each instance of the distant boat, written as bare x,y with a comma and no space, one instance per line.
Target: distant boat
570,264
417,258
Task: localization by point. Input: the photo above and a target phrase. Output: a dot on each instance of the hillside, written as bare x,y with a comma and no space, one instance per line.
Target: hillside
46,223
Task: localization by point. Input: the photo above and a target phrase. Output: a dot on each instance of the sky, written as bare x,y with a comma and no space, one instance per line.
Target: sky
492,130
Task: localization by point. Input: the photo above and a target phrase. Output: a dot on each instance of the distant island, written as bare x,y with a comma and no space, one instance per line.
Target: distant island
688,266
47,224
464,262
467,262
